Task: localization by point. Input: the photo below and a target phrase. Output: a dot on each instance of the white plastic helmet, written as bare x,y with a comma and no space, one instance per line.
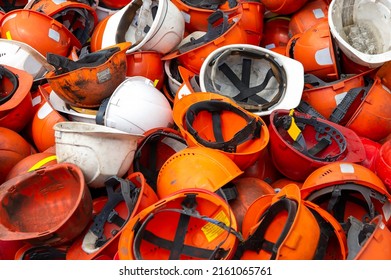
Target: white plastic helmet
135,107
23,57
99,151
258,79
361,30
156,25
72,113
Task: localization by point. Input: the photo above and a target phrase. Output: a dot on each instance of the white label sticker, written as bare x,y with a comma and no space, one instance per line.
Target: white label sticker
53,34
318,13
186,16
44,111
36,100
323,57
346,168
270,46
339,97
386,210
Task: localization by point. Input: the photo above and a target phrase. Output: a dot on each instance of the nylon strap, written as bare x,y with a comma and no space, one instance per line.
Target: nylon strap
43,253
251,131
357,235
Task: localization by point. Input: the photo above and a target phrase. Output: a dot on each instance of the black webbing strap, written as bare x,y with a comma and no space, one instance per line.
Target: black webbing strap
247,93
7,74
63,64
151,171
306,108
100,115
127,192
177,246
326,231
257,242
325,134
339,195
43,253
213,32
205,4
357,235
251,131
342,108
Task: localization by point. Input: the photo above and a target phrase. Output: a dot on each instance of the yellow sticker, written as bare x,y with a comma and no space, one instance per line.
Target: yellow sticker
213,231
42,162
8,35
155,82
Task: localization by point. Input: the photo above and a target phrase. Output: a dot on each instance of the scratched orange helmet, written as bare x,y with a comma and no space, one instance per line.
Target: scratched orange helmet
13,148
368,240
88,81
212,120
283,7
208,169
16,107
280,227
348,189
31,163
315,50
51,36
35,220
189,224
125,198
78,17
307,16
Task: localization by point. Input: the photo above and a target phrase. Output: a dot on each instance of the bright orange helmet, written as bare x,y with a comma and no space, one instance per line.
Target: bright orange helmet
52,36
283,7
314,49
203,220
215,121
208,169
348,189
383,164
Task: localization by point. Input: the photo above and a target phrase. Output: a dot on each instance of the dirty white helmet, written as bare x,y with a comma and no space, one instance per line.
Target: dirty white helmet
361,30
99,151
258,79
148,24
135,107
23,57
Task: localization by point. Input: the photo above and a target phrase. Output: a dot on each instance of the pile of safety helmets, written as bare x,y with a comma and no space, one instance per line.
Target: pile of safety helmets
187,129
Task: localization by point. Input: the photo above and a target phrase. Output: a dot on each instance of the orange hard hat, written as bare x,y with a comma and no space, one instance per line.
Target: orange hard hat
209,169
348,189
215,121
16,107
383,164
13,148
283,7
275,33
203,220
35,220
88,81
314,49
31,163
125,198
279,226
148,64
52,36
78,17
307,16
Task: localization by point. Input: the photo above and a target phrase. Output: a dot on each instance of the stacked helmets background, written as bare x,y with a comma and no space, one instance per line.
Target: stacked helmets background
187,129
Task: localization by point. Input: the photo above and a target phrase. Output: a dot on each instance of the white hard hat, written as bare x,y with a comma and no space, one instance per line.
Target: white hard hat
99,151
361,30
137,23
258,79
135,107
24,57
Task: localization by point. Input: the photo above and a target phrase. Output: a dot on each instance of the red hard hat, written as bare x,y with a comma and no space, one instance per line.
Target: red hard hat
283,7
383,164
